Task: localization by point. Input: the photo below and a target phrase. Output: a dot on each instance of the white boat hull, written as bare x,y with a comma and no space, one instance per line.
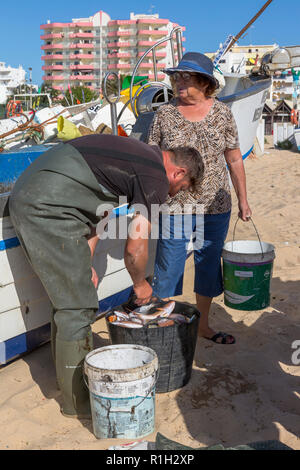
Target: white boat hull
297,137
25,310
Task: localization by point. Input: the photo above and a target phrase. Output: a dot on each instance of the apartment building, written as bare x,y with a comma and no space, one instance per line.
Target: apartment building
82,51
10,78
241,59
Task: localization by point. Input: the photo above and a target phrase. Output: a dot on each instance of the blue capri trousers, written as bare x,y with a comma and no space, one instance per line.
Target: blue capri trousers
208,233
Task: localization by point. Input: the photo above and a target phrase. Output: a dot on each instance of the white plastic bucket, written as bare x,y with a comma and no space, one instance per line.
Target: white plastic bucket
121,381
50,130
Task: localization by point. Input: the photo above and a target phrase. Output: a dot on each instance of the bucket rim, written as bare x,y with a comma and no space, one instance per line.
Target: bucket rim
123,346
271,248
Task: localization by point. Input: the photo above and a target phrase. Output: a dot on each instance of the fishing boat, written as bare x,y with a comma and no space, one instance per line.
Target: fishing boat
297,137
25,309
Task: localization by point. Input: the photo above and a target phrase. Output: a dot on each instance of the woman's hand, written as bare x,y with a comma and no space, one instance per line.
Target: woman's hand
143,292
244,211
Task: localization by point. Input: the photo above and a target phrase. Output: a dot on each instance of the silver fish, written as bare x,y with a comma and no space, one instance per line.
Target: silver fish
127,324
144,308
167,309
178,317
121,315
146,317
135,319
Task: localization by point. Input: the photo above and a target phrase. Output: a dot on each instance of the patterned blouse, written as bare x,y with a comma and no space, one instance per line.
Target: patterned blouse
211,137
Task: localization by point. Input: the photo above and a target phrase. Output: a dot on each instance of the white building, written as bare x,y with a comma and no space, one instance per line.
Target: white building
10,78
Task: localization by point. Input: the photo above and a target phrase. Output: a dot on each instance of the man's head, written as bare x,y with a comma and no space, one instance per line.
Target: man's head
184,168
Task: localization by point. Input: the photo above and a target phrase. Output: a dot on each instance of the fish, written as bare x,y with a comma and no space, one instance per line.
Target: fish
127,324
178,317
167,309
165,322
150,316
135,319
121,315
144,308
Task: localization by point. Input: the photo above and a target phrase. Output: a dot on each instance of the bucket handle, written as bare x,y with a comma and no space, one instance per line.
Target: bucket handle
250,218
132,410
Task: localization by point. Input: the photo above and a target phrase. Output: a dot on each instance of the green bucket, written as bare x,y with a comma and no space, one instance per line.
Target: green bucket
247,273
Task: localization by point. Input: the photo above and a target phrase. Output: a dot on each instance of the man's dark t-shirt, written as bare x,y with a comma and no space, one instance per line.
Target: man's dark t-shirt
126,167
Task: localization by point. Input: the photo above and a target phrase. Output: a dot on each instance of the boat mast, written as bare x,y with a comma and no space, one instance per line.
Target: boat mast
237,37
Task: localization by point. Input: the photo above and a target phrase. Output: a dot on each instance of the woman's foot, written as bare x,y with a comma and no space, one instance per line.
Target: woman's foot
219,338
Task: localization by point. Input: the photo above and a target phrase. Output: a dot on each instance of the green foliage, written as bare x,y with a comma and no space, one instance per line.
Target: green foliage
78,92
2,111
285,145
54,94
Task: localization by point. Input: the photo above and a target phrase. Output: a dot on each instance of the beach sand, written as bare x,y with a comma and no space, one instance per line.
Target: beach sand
237,394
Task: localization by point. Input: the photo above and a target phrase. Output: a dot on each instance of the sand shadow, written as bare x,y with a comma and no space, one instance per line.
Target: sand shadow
245,390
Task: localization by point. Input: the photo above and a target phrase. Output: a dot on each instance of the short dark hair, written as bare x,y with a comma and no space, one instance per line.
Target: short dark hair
211,86
189,158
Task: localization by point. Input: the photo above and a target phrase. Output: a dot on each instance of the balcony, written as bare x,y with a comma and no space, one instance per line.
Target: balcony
149,65
54,25
52,77
52,46
81,35
82,67
52,67
153,32
157,54
120,55
52,36
120,22
121,44
152,21
81,45
121,33
81,56
82,24
53,56
81,77
149,43
119,66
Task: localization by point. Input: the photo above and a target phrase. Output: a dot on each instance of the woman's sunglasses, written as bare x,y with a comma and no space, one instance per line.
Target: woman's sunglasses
185,76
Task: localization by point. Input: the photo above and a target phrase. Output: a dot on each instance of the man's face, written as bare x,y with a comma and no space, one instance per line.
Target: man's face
179,185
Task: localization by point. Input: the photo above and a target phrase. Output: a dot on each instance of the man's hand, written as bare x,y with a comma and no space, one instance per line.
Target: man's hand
95,278
143,292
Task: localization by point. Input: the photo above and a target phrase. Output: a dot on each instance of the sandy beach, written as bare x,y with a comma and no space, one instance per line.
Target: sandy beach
238,393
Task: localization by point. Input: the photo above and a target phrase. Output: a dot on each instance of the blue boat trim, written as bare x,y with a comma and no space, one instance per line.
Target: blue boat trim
9,243
248,153
14,347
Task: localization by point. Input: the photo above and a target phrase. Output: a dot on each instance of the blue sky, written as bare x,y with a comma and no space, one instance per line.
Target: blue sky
207,23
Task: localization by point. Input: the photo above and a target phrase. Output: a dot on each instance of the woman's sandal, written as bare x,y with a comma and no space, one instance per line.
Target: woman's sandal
222,335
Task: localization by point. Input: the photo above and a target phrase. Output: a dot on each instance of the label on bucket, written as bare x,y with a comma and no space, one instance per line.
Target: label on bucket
243,273
123,389
248,287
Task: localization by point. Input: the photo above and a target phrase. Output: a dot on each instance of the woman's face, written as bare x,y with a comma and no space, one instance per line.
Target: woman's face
187,85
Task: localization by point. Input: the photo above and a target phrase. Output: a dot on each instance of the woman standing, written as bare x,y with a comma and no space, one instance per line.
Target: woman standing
195,119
